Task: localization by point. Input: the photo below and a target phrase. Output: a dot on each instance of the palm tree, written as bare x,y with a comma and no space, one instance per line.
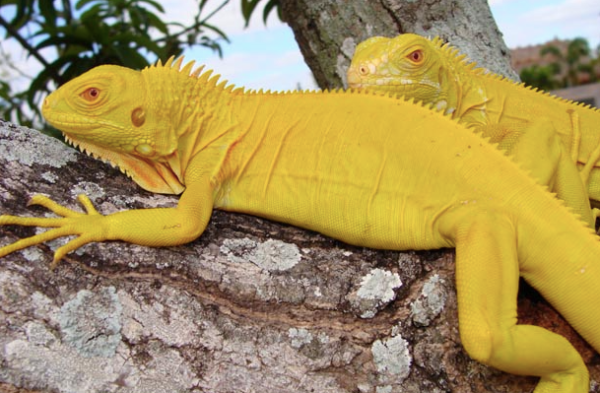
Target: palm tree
578,60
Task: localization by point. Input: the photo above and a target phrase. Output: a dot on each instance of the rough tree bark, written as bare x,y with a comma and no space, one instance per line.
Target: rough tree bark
250,306
328,31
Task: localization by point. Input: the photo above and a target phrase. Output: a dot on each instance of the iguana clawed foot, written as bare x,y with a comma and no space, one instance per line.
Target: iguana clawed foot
86,226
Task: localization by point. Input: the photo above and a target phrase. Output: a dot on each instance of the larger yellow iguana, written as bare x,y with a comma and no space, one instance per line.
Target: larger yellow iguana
523,121
367,169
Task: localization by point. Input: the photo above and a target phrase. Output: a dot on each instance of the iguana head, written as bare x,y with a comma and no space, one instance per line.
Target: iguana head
130,118
408,65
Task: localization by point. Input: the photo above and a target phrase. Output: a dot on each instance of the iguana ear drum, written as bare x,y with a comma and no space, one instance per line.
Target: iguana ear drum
138,117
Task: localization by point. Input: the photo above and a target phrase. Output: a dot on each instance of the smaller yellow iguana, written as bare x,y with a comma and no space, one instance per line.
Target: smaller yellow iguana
368,169
524,122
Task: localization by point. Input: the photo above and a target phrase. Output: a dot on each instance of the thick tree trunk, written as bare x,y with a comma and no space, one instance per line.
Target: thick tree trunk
328,31
251,306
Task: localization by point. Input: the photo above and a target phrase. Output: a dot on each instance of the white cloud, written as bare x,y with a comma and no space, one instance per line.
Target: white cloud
263,70
541,22
231,67
283,81
569,11
26,66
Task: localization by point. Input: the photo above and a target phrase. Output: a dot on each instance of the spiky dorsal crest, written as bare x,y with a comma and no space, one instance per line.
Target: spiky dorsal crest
174,64
456,57
453,54
535,90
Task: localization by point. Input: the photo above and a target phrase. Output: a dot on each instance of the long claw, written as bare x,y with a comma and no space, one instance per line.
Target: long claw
49,204
31,221
71,223
87,204
67,248
33,240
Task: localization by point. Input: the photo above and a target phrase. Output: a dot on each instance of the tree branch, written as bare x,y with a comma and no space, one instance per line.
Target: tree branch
32,51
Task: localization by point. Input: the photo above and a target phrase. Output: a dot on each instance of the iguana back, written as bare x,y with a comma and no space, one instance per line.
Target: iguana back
435,72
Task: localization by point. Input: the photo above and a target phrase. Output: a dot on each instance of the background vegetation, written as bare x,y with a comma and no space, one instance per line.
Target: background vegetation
560,67
70,37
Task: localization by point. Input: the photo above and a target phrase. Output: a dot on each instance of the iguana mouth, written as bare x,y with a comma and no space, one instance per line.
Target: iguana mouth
395,85
394,82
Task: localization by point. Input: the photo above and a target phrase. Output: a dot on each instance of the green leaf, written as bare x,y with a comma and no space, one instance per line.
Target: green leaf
157,23
248,7
69,36
87,33
130,57
272,4
40,82
24,13
82,3
92,13
143,42
155,5
215,29
76,68
49,13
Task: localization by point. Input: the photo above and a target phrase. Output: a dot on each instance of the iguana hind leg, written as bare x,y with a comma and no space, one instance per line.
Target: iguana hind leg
487,277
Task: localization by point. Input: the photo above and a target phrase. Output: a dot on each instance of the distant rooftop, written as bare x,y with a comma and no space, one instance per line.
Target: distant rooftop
527,56
523,57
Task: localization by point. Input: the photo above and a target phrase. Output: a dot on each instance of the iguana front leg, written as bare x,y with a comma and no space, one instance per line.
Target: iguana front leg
72,223
487,281
149,227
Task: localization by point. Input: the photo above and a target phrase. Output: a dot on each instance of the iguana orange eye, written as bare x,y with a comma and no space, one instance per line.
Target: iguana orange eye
416,56
91,94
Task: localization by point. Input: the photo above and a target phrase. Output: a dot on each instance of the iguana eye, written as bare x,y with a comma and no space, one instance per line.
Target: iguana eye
363,70
416,56
91,94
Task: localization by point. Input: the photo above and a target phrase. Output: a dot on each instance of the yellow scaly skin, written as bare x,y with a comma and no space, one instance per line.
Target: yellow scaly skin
369,170
545,134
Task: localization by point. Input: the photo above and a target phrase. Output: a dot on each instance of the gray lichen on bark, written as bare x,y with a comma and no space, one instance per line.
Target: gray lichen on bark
193,319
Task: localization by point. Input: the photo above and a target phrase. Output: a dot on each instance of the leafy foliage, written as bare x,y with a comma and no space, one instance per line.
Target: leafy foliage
249,6
72,37
571,66
542,77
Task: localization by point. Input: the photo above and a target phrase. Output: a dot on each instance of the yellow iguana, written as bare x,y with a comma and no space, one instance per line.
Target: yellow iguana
545,134
367,169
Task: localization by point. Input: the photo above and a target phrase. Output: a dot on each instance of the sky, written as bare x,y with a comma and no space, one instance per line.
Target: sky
268,57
